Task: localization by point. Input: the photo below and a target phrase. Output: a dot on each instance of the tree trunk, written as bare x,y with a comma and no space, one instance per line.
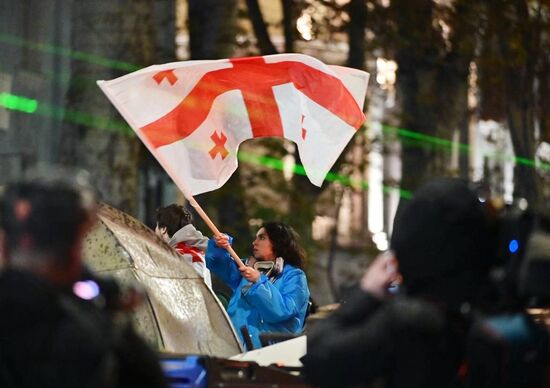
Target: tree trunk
212,28
289,24
521,125
417,51
357,9
123,30
260,29
212,36
544,116
415,84
454,74
544,94
303,197
331,277
519,85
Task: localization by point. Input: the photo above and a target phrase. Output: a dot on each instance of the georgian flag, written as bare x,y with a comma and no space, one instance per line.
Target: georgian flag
193,115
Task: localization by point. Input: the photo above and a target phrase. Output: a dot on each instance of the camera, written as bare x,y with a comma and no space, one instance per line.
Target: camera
521,266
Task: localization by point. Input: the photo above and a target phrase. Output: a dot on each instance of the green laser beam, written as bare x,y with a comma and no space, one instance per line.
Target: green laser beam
31,106
65,52
277,164
439,142
82,118
22,104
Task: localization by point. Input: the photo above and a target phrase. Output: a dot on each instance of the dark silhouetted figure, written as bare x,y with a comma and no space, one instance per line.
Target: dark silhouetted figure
55,327
422,336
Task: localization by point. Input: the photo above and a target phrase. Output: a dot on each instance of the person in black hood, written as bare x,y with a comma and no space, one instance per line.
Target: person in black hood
441,245
56,327
444,242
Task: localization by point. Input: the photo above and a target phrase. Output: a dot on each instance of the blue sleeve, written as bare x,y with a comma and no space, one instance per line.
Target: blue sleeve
219,261
277,305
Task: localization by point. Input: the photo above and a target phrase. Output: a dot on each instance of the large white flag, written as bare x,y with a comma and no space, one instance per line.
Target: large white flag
193,115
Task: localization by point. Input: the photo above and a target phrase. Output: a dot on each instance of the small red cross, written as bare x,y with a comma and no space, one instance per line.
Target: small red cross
166,74
219,145
304,131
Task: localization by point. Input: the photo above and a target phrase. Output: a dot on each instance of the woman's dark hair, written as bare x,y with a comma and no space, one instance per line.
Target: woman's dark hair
285,243
173,218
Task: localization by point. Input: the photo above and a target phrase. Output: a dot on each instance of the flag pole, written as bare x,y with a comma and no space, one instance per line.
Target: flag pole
174,177
212,227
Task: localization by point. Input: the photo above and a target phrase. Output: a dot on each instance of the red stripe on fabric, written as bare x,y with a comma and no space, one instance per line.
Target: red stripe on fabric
255,79
196,254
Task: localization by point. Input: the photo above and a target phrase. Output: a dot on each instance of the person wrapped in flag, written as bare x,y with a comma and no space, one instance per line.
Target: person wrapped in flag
270,294
175,226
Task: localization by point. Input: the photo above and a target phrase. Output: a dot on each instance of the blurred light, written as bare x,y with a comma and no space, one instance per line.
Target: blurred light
537,311
321,227
445,32
513,246
385,72
381,241
241,39
86,289
523,204
305,26
473,86
288,166
256,222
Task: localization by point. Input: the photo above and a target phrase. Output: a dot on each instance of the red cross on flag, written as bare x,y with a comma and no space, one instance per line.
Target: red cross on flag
193,115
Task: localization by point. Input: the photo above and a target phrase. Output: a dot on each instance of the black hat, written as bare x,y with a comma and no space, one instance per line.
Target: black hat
441,232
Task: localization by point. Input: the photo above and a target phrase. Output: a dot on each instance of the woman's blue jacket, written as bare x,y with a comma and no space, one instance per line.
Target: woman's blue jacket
265,306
